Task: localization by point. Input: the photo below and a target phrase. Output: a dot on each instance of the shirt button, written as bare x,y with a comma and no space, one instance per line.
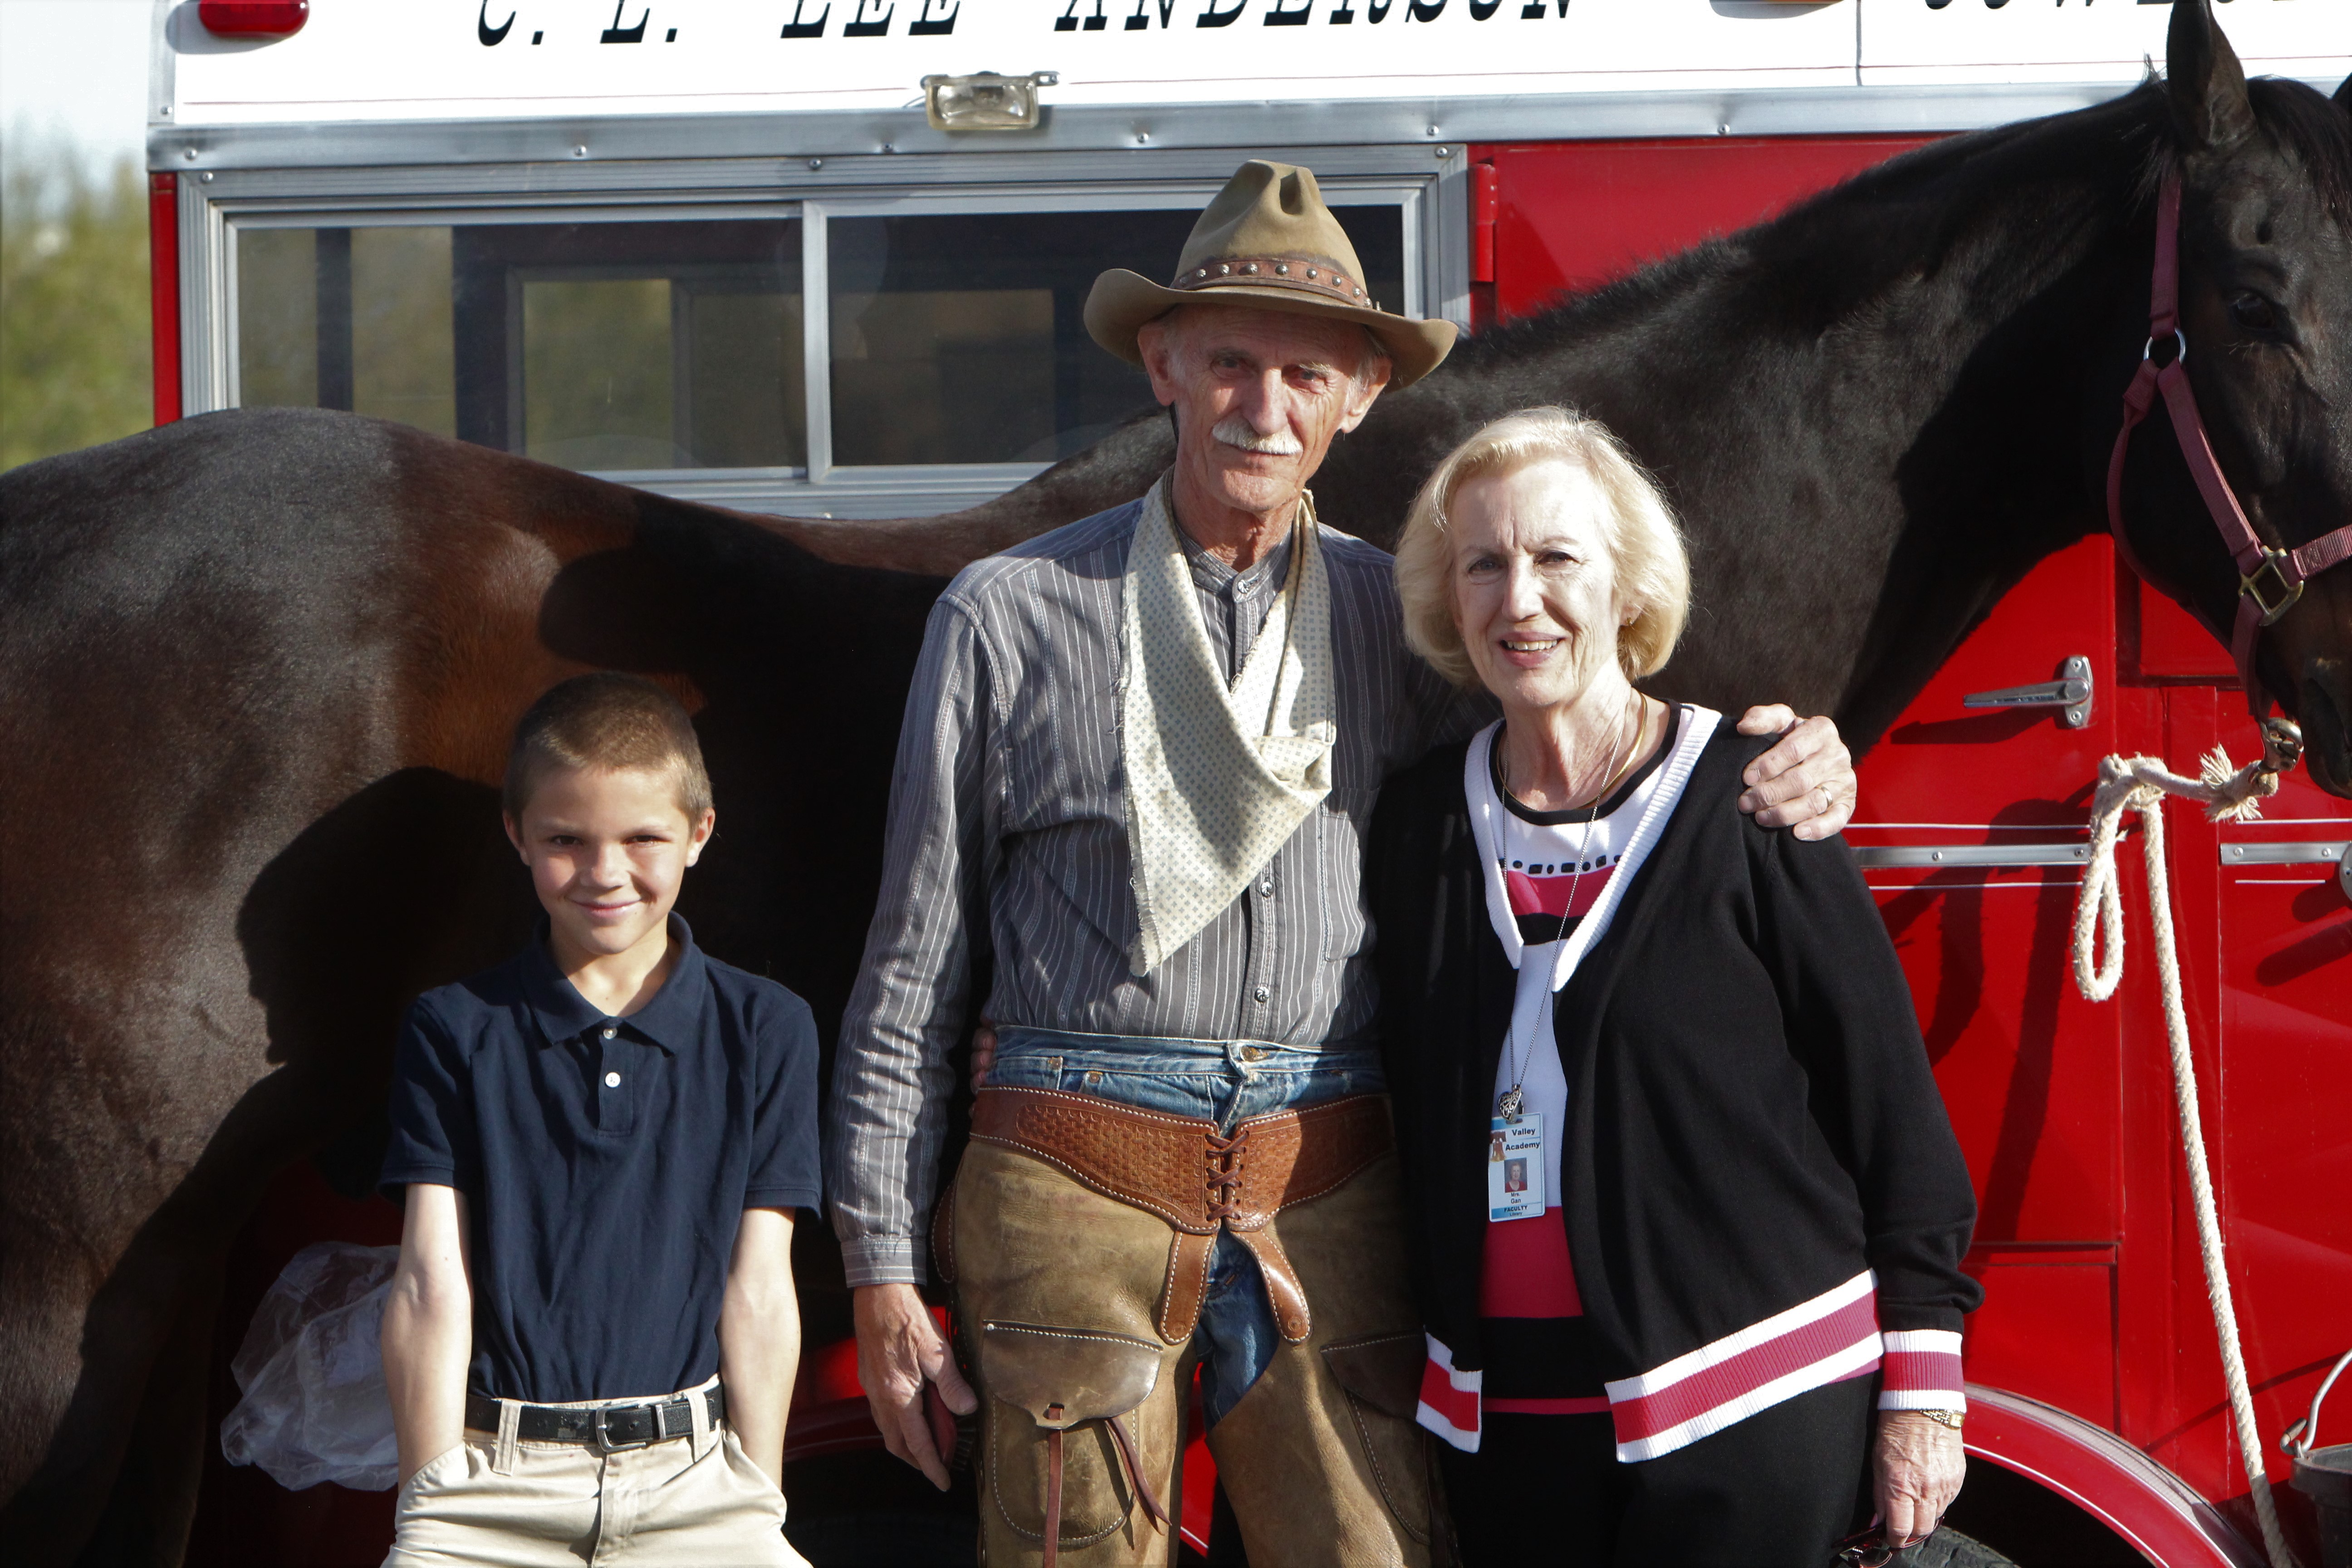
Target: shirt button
610,1033
1262,993
1266,889
612,1080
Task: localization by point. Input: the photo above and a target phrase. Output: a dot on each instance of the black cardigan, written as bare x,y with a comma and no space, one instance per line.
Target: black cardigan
1751,1120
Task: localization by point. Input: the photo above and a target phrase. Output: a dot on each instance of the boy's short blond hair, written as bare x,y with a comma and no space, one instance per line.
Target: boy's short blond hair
607,721
1646,547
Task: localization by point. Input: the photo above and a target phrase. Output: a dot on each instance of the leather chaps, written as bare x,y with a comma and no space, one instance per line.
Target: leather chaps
1077,1236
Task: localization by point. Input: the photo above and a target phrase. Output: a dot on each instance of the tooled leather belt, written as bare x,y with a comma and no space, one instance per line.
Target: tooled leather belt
1200,1181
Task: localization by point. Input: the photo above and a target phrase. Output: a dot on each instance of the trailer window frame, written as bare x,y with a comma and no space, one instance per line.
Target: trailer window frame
1427,186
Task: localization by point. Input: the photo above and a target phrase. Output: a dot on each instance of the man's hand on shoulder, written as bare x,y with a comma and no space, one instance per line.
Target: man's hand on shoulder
1806,783
900,1349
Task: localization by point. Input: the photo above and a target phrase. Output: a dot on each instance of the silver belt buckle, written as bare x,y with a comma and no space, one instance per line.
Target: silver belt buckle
605,1438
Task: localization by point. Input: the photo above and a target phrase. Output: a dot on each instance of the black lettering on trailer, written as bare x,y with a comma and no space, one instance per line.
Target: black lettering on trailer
1533,10
617,34
1482,9
1067,22
925,26
1139,21
1211,16
1276,15
796,29
1377,11
490,36
859,27
1423,10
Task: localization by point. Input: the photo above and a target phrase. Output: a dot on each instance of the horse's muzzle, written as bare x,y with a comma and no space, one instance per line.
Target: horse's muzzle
2325,711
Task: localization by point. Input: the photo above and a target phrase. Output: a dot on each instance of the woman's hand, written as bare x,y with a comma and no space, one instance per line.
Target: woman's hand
1915,1466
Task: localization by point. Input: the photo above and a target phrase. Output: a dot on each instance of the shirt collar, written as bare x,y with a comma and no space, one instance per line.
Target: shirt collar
670,1020
1214,576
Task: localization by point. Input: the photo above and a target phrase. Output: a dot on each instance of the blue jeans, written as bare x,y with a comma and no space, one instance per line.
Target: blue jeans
1223,1082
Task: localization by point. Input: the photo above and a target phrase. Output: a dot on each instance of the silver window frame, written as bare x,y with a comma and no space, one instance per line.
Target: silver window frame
1429,185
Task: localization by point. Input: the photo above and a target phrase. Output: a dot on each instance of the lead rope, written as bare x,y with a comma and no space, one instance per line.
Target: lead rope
2140,785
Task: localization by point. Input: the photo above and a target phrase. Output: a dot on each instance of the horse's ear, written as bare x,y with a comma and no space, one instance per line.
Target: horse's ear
2207,84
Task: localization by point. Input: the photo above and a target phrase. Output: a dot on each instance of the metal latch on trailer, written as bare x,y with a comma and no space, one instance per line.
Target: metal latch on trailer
2070,694
2309,853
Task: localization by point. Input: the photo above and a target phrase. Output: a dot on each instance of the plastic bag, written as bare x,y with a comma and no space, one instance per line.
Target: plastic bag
315,1409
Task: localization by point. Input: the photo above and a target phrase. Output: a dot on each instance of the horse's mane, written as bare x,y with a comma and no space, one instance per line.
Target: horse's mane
2315,129
1834,251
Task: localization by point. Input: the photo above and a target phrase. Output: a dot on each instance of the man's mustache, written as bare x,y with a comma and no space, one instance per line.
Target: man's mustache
1234,430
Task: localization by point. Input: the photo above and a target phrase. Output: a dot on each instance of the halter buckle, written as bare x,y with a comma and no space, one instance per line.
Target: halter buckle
2289,589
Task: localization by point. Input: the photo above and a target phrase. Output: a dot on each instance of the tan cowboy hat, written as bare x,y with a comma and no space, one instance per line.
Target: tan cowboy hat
1266,241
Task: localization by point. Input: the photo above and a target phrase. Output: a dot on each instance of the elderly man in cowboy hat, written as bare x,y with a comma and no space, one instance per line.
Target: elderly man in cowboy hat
1137,761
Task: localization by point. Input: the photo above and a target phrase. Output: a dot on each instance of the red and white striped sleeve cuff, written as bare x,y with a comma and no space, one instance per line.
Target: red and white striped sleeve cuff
1921,1371
1449,1398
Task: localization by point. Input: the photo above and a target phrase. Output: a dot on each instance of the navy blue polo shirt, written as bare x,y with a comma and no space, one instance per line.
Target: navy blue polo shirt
606,1162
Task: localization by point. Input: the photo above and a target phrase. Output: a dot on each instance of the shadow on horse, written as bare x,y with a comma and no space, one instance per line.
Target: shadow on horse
260,667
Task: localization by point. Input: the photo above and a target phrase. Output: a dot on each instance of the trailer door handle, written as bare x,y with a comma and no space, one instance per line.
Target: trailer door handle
2070,694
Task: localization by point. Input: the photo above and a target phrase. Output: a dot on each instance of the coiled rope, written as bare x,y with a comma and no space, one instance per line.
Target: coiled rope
2139,784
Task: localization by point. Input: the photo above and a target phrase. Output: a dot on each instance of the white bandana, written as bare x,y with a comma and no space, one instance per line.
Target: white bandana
1217,777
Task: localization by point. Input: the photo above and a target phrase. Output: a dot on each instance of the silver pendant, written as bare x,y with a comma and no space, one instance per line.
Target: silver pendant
1507,1107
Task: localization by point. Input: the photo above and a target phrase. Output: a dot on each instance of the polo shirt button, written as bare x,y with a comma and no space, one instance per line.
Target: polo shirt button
610,1033
612,1080
1266,889
1262,993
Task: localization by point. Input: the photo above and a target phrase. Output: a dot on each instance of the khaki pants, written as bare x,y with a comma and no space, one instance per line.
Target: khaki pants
692,1501
1320,1459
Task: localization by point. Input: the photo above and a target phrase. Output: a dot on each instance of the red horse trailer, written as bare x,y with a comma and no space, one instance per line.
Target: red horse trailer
704,248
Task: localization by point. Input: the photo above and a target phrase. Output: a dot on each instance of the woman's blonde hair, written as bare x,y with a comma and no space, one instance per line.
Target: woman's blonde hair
1646,548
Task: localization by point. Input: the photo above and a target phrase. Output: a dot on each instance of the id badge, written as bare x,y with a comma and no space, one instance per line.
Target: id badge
1514,1167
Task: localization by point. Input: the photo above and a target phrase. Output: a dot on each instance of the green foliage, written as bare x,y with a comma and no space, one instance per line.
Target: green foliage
75,353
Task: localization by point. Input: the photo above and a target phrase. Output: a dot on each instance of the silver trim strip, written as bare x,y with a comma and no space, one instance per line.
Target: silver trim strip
1878,857
2304,854
1759,111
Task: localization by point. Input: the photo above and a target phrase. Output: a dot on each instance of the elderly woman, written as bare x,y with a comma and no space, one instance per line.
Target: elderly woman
1686,1211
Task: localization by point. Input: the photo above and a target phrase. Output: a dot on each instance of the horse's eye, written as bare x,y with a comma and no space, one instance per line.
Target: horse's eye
2253,312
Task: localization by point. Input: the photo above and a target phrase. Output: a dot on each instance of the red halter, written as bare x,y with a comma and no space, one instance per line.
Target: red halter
2269,580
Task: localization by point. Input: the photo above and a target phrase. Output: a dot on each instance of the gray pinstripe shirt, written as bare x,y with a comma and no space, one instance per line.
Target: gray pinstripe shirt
1007,837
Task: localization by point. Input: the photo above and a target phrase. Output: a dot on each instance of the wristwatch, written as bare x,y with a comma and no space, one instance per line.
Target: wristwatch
1951,1418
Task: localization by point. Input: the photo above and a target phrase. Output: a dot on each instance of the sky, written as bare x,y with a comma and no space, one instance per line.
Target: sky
77,68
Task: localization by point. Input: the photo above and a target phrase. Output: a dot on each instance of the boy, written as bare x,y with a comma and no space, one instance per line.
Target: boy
592,1333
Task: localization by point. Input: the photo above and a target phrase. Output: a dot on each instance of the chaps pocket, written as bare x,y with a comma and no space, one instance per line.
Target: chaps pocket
1075,1391
1380,1377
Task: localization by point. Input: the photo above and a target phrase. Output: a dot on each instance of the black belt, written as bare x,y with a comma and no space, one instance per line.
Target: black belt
607,1425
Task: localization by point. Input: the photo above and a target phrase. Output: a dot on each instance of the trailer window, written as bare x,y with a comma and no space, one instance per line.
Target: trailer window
382,296
959,338
670,348
600,345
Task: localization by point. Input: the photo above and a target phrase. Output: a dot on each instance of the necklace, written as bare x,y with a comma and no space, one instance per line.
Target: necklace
1509,1103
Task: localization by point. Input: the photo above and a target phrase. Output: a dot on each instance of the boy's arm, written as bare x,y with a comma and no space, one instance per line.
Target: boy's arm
428,1327
759,1337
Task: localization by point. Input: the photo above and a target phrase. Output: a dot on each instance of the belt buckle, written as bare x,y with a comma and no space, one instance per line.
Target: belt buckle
2289,590
606,1441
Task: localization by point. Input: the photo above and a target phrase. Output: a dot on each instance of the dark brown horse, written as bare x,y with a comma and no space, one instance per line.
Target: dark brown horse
259,667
